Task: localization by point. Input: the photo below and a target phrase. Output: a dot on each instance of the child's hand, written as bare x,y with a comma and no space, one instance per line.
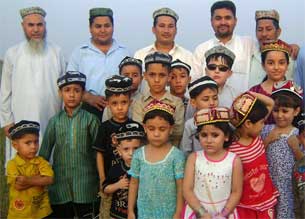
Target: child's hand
293,142
21,180
206,216
273,136
123,183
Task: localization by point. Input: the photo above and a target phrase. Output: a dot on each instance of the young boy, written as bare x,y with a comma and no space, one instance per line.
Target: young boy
129,137
179,79
118,101
70,135
27,174
249,111
157,69
219,61
204,94
132,68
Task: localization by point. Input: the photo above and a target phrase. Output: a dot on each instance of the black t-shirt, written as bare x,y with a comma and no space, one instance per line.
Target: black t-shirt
119,203
104,143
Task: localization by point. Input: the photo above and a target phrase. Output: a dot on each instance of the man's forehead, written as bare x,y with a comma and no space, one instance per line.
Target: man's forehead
223,12
102,20
34,18
165,19
265,22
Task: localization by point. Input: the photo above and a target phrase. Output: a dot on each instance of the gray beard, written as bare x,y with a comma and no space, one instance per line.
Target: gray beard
36,47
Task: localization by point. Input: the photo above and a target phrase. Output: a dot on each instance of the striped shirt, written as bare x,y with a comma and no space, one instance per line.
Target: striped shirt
258,191
74,162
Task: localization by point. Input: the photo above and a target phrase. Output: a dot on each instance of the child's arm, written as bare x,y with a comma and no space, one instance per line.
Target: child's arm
268,101
132,197
49,140
188,188
25,182
123,183
294,144
100,166
179,202
236,190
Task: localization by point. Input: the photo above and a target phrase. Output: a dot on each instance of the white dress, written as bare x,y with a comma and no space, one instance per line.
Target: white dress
212,183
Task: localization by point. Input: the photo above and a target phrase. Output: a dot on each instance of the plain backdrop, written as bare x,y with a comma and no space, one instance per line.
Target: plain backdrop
67,20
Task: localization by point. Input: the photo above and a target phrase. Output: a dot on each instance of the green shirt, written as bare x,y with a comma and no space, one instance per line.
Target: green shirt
74,161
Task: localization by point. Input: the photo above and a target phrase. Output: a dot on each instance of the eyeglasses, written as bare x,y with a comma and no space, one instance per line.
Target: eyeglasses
213,67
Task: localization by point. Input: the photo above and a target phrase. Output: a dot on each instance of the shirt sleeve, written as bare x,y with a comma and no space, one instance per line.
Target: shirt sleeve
94,127
179,163
179,123
45,168
74,61
6,114
186,144
100,140
137,111
49,140
135,164
11,172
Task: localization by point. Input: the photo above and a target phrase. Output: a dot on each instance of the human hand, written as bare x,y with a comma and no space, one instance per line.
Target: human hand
274,135
206,216
218,216
294,50
293,142
22,181
131,215
6,128
123,183
97,101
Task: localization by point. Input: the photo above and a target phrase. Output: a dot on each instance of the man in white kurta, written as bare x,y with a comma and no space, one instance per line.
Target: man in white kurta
223,20
30,71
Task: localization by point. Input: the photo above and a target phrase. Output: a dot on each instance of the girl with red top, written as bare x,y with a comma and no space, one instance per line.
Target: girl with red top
259,195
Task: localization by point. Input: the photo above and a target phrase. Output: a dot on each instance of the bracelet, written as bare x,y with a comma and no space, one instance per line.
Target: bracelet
225,212
200,212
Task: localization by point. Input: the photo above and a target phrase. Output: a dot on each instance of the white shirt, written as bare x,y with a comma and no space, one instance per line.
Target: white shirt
28,87
243,47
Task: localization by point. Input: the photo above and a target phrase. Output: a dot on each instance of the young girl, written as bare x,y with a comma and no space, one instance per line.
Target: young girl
275,61
278,138
157,169
213,176
259,195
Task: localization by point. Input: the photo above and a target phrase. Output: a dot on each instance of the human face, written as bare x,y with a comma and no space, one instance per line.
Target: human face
275,65
223,23
133,72
72,95
179,79
34,27
157,131
219,76
126,149
212,139
208,98
266,31
157,78
27,146
165,30
284,116
118,105
255,128
101,30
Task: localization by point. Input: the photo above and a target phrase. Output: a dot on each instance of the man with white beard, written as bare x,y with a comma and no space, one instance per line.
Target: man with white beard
30,71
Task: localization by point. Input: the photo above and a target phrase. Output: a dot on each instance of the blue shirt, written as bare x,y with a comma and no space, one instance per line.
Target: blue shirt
96,65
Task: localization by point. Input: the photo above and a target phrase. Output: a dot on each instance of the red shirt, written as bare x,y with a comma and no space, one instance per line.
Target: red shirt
258,190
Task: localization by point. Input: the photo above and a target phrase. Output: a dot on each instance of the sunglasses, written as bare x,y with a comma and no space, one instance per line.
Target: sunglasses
212,67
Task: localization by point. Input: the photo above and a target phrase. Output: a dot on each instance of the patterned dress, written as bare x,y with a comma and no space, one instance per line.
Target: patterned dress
281,161
157,183
212,183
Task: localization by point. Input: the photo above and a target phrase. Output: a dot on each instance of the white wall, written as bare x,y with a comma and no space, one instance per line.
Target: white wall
67,20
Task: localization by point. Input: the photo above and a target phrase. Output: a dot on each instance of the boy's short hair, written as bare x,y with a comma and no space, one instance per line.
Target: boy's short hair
180,64
24,127
220,51
72,77
130,61
246,106
158,57
131,130
197,86
118,84
223,4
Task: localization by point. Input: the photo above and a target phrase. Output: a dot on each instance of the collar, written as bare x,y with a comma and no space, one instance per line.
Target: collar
20,161
171,52
115,45
75,111
218,42
147,95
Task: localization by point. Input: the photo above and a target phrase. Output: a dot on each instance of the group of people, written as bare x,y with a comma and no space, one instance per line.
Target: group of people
164,134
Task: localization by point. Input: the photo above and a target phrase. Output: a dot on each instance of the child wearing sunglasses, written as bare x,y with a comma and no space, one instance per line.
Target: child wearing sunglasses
219,61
